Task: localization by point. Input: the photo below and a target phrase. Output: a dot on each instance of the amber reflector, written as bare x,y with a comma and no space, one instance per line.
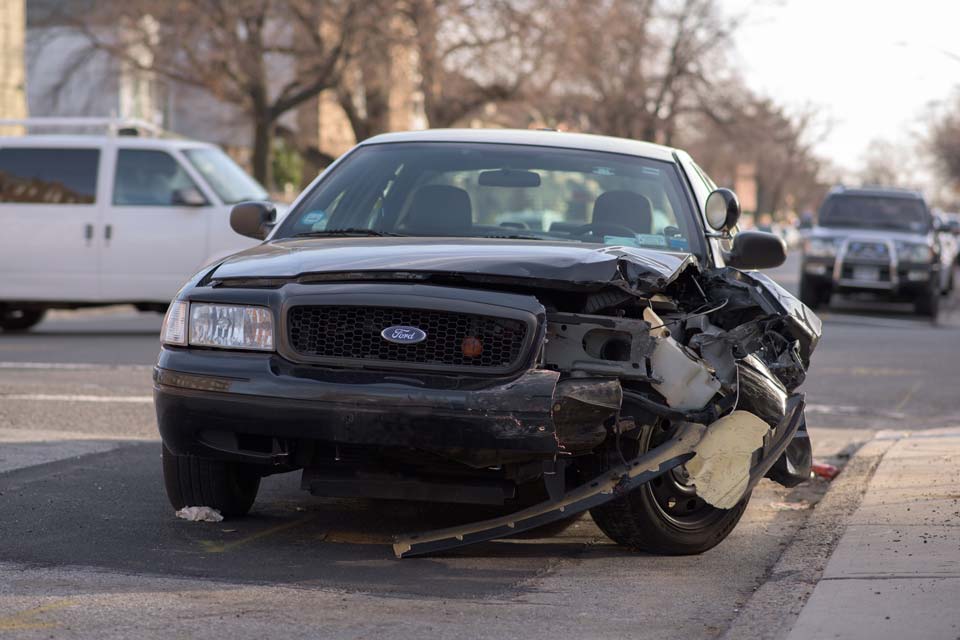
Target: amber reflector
471,347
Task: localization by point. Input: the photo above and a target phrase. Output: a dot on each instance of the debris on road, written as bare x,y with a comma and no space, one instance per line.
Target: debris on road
791,506
824,470
199,514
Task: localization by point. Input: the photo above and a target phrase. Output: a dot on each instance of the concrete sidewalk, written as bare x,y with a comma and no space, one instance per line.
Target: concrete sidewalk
896,570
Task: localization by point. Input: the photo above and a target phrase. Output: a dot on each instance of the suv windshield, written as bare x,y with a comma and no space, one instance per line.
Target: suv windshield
876,212
230,182
500,191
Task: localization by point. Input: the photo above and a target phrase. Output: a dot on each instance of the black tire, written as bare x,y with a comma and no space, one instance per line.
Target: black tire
928,304
14,320
228,487
811,294
643,519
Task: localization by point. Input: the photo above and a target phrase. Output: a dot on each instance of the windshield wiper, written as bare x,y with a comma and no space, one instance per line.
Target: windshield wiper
513,236
351,231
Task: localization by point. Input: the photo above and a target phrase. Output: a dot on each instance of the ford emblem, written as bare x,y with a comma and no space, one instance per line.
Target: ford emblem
403,335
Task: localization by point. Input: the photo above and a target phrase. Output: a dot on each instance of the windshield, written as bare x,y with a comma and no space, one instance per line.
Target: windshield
230,182
500,191
875,212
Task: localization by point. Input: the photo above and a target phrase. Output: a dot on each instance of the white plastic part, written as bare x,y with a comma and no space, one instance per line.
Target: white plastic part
720,470
688,383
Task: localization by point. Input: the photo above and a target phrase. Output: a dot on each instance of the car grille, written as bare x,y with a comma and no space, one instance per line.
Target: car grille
353,333
868,251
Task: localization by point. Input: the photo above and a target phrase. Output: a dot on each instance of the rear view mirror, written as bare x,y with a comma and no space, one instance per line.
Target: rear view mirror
189,197
253,219
723,210
510,178
756,250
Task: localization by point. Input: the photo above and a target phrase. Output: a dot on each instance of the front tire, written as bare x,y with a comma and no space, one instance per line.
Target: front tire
228,487
812,294
16,320
928,304
665,516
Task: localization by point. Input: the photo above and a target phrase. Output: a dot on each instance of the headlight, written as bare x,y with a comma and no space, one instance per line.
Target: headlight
912,252
231,326
175,324
820,247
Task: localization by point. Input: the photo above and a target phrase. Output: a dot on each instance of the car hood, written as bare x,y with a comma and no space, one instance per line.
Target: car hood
569,262
869,234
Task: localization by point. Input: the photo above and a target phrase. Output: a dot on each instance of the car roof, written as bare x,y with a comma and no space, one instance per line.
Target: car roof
885,192
540,138
81,140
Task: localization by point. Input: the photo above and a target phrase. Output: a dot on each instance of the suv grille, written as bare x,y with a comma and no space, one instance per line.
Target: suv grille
353,333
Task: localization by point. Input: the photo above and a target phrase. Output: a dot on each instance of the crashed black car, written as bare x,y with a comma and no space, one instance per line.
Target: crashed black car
546,321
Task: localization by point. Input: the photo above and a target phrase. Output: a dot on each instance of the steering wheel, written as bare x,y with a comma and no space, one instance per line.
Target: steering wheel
595,229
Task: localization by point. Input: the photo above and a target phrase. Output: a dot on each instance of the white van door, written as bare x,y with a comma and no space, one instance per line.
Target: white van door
155,232
49,215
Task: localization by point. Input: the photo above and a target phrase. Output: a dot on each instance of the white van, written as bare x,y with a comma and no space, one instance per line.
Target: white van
111,218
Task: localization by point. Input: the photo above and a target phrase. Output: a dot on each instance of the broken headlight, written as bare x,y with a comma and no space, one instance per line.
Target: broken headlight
820,247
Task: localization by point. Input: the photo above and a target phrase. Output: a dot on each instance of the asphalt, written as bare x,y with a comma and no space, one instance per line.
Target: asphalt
87,540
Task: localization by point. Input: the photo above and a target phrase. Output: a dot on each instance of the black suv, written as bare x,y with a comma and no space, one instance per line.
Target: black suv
543,321
880,241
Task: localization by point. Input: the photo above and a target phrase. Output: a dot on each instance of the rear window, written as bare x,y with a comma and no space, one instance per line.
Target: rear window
876,212
49,176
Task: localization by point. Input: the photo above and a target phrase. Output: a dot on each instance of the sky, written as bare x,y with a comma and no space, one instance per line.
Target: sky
873,68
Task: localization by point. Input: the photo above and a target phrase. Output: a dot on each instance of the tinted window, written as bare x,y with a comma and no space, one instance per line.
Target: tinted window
497,190
49,176
875,212
149,178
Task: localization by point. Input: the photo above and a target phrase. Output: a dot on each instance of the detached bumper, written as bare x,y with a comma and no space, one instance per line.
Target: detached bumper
209,404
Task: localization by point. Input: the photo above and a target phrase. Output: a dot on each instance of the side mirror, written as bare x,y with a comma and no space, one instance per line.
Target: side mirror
756,250
189,197
253,219
723,210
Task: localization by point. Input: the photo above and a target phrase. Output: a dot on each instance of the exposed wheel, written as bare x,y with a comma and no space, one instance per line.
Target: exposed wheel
665,516
228,487
928,304
12,320
812,294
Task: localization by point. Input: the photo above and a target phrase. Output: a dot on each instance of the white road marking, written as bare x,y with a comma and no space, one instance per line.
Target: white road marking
73,366
67,397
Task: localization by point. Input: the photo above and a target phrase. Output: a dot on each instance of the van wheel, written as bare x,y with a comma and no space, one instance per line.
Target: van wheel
13,320
228,487
665,516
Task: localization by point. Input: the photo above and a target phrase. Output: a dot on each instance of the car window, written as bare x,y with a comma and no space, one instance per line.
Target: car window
149,178
230,182
49,176
496,190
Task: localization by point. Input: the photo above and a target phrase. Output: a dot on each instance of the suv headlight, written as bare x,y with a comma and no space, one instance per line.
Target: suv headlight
820,247
226,326
914,252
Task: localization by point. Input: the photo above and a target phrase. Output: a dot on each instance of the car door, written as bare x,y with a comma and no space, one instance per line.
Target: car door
49,212
155,229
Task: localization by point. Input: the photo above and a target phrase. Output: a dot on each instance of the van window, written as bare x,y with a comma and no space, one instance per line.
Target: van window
149,178
48,176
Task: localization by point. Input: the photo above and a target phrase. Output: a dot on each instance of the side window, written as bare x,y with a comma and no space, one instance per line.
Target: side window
152,178
49,176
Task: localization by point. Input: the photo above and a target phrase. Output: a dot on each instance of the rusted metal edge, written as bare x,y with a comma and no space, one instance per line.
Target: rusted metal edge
614,482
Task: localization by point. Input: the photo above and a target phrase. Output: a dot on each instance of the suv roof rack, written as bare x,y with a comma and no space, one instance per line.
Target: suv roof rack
113,127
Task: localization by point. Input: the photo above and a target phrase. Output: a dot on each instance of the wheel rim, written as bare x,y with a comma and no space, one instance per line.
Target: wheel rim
674,496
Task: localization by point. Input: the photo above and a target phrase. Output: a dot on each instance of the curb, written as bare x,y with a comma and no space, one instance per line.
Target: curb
775,606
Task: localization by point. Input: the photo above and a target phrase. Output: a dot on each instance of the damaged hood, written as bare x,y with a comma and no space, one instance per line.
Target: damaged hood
571,262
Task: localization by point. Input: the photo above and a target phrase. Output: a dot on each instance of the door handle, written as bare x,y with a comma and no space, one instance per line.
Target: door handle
88,232
108,232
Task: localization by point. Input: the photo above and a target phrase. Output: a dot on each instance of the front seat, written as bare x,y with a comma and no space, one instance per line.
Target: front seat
625,209
439,210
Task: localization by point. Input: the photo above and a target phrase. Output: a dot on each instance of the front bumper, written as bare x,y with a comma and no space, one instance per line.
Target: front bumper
255,407
898,280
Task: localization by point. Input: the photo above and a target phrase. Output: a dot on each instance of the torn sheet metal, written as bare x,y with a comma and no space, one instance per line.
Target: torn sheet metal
720,470
617,481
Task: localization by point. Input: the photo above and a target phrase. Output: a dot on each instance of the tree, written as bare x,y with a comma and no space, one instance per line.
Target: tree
243,52
944,143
